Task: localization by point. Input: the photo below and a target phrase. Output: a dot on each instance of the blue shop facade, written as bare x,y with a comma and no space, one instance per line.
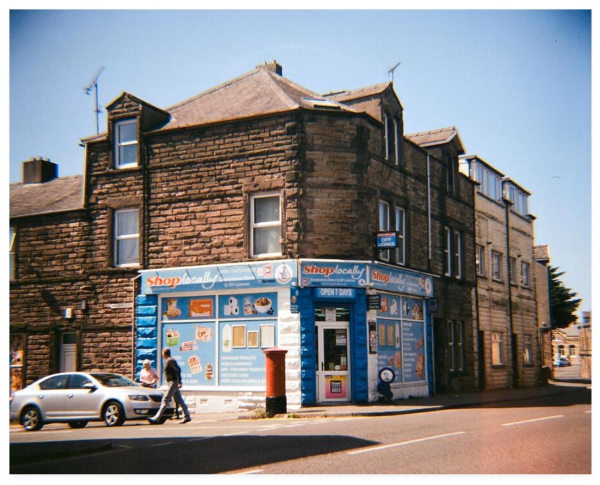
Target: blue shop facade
354,331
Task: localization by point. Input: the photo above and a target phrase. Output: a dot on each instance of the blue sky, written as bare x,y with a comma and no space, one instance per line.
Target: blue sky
516,84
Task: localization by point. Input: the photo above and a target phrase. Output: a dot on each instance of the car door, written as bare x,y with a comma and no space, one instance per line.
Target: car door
52,396
81,402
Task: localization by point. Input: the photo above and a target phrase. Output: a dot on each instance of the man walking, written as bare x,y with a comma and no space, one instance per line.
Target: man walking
173,376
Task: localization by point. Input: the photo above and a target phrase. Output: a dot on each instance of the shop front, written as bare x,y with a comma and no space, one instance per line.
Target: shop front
341,322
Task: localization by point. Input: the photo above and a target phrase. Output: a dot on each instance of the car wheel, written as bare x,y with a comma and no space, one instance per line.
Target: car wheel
31,419
78,424
113,414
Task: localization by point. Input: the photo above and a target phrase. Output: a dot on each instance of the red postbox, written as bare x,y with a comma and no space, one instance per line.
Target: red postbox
276,401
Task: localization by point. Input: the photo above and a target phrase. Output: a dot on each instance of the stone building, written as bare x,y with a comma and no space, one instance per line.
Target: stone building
541,257
248,217
505,300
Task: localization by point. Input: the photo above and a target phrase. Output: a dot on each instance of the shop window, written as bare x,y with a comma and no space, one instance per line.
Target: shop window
497,348
126,237
126,144
527,350
265,225
17,353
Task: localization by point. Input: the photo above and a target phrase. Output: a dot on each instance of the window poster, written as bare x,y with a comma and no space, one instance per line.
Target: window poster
413,346
188,308
241,360
389,352
255,305
412,308
193,347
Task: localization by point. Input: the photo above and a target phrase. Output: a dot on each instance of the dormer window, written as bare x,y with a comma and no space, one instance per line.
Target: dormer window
519,200
126,145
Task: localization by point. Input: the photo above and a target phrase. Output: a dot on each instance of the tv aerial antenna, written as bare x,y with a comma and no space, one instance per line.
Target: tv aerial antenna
88,89
391,71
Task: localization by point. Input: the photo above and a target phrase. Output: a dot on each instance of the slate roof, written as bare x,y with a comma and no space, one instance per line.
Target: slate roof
347,95
541,253
258,92
434,137
59,195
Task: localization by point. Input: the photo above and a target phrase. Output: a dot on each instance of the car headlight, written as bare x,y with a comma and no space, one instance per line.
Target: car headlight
138,397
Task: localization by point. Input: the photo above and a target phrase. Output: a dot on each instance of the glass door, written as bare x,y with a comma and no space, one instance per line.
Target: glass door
333,361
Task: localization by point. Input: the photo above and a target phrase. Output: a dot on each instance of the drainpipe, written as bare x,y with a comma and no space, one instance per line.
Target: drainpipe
429,212
507,204
480,362
134,282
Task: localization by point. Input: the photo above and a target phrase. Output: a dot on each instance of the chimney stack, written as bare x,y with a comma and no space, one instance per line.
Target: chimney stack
273,66
39,170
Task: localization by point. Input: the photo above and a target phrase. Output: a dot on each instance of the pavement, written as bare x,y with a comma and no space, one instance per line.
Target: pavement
418,405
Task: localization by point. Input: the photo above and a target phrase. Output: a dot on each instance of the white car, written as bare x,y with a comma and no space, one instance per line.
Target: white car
562,361
79,397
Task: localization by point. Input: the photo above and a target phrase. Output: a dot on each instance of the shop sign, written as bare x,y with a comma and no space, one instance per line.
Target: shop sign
335,293
385,240
399,281
206,278
373,302
333,274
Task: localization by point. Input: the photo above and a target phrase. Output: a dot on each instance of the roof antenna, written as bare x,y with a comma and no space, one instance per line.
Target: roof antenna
94,85
391,71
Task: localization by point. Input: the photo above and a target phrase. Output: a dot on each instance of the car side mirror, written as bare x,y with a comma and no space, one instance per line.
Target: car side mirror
92,387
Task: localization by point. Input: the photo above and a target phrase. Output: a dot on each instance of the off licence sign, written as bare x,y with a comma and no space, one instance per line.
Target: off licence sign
386,240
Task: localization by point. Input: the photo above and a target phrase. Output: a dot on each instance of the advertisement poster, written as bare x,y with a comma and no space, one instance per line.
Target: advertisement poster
241,359
188,308
193,346
335,387
413,346
412,308
389,353
255,305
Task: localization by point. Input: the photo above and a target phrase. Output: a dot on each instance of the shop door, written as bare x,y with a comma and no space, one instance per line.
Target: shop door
333,362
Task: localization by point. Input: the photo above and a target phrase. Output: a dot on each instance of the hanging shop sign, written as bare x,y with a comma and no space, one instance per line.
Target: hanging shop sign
385,240
207,278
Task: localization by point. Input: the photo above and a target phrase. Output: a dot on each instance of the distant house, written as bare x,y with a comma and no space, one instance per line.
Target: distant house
256,214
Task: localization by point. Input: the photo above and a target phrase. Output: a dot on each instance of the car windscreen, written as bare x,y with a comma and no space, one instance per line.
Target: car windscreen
113,380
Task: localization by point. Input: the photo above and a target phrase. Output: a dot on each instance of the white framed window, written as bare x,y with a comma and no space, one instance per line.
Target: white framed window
525,274
391,138
519,200
527,350
265,225
384,224
480,261
126,237
126,145
447,251
401,230
512,271
496,266
12,253
497,348
458,254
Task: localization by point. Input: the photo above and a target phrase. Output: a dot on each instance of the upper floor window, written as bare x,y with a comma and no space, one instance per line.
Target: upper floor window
458,254
480,261
126,237
512,271
519,200
12,252
265,225
447,251
392,141
490,183
384,224
401,230
525,274
126,145
496,266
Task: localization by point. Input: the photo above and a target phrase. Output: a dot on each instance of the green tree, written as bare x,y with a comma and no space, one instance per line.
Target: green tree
563,303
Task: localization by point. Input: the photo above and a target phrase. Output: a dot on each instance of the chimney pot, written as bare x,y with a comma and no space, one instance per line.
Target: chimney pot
39,170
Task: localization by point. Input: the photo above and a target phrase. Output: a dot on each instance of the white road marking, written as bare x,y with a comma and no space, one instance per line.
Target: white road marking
404,443
235,434
534,420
